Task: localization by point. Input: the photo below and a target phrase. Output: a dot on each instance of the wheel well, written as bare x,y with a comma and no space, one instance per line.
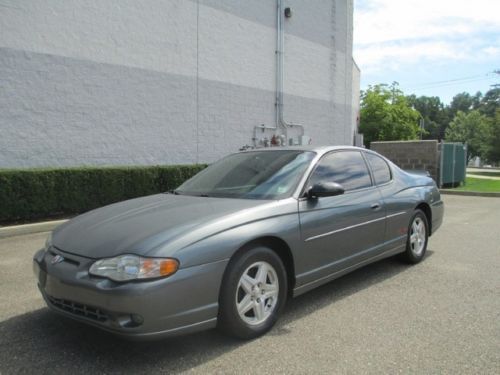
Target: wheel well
281,248
428,214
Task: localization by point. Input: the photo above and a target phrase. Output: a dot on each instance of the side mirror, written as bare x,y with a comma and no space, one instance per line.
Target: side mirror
325,189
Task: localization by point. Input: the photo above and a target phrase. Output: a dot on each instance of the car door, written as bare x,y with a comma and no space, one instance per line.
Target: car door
396,208
340,231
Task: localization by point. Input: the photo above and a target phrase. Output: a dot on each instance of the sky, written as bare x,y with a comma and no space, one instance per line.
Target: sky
430,47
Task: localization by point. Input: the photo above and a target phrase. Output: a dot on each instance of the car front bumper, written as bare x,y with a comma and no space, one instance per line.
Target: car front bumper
182,303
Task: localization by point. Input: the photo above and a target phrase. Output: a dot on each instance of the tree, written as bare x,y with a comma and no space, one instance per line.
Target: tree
493,154
490,102
385,115
464,102
472,128
434,113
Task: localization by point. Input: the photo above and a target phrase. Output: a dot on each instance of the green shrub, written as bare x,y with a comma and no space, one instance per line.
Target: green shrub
30,194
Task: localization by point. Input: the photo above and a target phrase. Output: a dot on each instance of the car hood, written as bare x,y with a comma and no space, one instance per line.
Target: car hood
139,225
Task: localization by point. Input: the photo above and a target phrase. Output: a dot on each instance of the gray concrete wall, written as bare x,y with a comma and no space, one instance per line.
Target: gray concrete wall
356,83
154,82
411,155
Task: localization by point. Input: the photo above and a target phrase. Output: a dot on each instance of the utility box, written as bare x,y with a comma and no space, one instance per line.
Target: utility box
453,163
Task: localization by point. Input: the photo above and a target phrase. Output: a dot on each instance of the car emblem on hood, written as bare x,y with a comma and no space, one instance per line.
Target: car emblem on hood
57,259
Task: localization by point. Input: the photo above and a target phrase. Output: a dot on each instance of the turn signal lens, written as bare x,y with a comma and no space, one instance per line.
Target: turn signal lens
168,267
132,267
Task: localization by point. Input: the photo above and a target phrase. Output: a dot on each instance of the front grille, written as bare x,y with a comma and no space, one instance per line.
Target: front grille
79,309
68,258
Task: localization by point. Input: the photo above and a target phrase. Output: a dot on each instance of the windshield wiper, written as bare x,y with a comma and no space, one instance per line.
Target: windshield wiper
176,192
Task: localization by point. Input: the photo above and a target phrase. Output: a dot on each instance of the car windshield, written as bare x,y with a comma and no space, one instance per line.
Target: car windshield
251,175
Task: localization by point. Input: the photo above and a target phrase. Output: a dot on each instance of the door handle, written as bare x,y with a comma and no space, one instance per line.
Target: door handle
375,206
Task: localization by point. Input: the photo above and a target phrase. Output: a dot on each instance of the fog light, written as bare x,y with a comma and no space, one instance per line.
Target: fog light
129,321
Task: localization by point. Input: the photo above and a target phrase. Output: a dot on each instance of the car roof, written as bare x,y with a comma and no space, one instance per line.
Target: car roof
317,149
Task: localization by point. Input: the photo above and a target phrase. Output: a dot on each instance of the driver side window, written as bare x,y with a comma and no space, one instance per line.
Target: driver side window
347,168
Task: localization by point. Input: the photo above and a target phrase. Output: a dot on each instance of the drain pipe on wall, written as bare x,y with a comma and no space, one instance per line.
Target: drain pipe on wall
280,120
280,75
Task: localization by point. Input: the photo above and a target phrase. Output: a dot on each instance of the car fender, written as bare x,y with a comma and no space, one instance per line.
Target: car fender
222,246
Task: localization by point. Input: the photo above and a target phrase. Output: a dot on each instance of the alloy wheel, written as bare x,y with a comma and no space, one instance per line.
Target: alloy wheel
257,293
417,236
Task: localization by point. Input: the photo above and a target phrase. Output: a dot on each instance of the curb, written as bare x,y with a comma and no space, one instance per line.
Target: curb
18,230
469,193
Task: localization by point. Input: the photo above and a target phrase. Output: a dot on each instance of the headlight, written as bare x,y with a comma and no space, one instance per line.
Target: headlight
48,242
132,267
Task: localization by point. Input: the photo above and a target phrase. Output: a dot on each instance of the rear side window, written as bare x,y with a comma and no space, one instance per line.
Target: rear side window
347,168
381,170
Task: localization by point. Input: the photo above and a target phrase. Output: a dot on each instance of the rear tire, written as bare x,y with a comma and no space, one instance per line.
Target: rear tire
253,293
418,235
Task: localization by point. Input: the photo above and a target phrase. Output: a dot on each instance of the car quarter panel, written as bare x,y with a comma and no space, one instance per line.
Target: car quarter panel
402,196
400,202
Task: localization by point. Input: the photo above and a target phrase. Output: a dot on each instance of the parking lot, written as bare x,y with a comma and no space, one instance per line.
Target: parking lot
441,316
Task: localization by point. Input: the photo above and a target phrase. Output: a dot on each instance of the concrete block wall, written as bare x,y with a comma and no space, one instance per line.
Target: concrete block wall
162,82
413,155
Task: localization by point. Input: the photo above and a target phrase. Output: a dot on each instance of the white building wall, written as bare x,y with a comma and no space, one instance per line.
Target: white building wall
160,82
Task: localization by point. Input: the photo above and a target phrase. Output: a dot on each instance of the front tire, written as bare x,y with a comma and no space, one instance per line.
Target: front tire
253,293
418,235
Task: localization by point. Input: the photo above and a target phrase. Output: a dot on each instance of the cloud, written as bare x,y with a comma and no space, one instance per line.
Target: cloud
389,33
491,51
393,55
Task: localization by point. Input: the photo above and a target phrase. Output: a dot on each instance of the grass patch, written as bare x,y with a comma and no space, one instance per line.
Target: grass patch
480,185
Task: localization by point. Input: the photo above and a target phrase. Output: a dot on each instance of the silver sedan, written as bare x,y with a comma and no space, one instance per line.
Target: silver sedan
228,247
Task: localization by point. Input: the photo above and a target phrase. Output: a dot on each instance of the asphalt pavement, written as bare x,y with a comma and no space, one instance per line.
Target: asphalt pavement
440,316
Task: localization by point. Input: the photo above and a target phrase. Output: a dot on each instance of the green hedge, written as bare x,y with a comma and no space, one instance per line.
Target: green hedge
30,194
